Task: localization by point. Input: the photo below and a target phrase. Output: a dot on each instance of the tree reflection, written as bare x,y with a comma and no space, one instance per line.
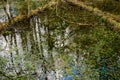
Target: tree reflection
48,47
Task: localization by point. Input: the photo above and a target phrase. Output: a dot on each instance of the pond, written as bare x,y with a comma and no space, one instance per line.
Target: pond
54,46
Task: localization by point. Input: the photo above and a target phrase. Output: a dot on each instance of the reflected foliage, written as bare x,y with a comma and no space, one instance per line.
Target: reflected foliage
53,46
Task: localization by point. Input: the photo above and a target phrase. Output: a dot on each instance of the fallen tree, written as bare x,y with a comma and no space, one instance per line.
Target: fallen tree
52,3
20,17
110,18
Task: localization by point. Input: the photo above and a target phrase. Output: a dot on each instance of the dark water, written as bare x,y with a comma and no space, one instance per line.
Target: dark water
53,46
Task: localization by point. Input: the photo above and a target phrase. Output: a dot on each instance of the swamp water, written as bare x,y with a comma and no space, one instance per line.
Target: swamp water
54,46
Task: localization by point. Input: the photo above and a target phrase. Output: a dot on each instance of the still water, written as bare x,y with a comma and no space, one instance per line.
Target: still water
51,46
39,52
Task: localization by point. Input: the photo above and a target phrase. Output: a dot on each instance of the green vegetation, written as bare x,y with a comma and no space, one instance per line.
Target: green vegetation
65,42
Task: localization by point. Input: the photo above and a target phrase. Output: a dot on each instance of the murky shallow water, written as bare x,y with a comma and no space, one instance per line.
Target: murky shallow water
53,47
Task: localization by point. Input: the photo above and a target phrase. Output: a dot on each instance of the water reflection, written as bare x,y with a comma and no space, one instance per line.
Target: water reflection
49,48
38,53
